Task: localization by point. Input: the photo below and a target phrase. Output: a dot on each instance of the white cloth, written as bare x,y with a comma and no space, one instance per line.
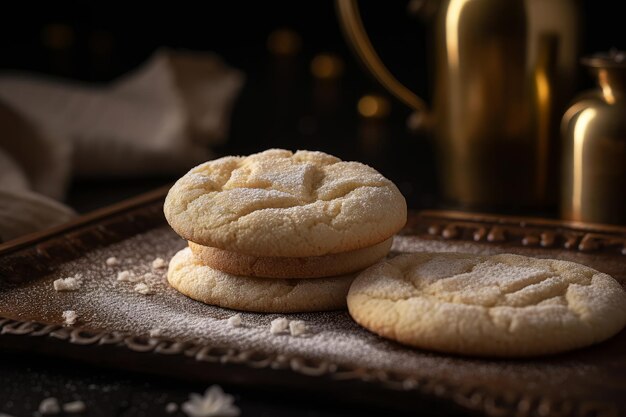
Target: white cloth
161,118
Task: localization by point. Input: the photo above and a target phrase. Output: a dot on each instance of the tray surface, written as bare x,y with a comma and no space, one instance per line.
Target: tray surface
111,314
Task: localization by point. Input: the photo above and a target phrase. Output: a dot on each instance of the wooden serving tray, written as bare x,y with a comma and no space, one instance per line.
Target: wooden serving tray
340,359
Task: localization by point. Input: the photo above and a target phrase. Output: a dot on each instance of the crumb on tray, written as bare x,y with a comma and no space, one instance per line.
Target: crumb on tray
235,321
69,317
159,263
112,261
279,325
69,283
74,407
126,276
49,406
297,327
143,289
171,408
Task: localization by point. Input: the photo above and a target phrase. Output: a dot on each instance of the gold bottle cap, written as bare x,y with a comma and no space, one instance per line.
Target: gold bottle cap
609,68
612,59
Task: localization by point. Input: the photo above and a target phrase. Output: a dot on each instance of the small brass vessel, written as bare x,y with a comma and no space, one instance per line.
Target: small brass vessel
594,146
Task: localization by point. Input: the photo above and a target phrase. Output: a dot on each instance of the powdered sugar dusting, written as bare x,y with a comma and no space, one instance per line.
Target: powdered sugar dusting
105,303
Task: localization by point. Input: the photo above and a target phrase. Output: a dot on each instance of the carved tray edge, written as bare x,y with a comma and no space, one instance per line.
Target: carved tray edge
473,397
84,220
519,231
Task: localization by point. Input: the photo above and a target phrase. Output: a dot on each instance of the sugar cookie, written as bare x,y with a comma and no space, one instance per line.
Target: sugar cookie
502,305
264,295
282,204
288,268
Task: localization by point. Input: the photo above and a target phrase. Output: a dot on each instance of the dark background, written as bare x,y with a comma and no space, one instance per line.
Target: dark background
281,104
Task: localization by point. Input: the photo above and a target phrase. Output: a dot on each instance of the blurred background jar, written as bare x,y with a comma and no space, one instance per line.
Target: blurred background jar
594,146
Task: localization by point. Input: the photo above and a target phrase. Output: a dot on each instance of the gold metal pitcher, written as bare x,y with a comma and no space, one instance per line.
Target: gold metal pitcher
504,71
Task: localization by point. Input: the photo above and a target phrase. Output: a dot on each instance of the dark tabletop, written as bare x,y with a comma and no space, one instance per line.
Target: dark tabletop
27,380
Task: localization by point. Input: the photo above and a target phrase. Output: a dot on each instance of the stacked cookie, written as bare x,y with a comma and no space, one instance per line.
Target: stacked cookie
279,231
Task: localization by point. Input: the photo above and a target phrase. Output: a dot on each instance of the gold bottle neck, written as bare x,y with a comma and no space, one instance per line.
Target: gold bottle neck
610,72
613,84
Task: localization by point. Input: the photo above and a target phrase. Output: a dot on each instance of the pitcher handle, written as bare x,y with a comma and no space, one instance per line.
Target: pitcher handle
353,29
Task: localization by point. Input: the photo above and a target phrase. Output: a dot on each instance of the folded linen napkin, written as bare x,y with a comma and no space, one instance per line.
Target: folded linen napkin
161,118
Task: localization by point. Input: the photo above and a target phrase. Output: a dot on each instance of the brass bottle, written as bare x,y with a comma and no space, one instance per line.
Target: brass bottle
594,147
504,71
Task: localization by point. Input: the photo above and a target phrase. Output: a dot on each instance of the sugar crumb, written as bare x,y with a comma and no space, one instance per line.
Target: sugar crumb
127,276
235,321
155,332
279,325
171,408
215,402
74,407
49,406
159,263
69,317
148,276
112,261
297,327
68,284
143,289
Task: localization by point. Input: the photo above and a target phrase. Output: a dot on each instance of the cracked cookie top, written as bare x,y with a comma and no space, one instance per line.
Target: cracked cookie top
279,203
500,305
